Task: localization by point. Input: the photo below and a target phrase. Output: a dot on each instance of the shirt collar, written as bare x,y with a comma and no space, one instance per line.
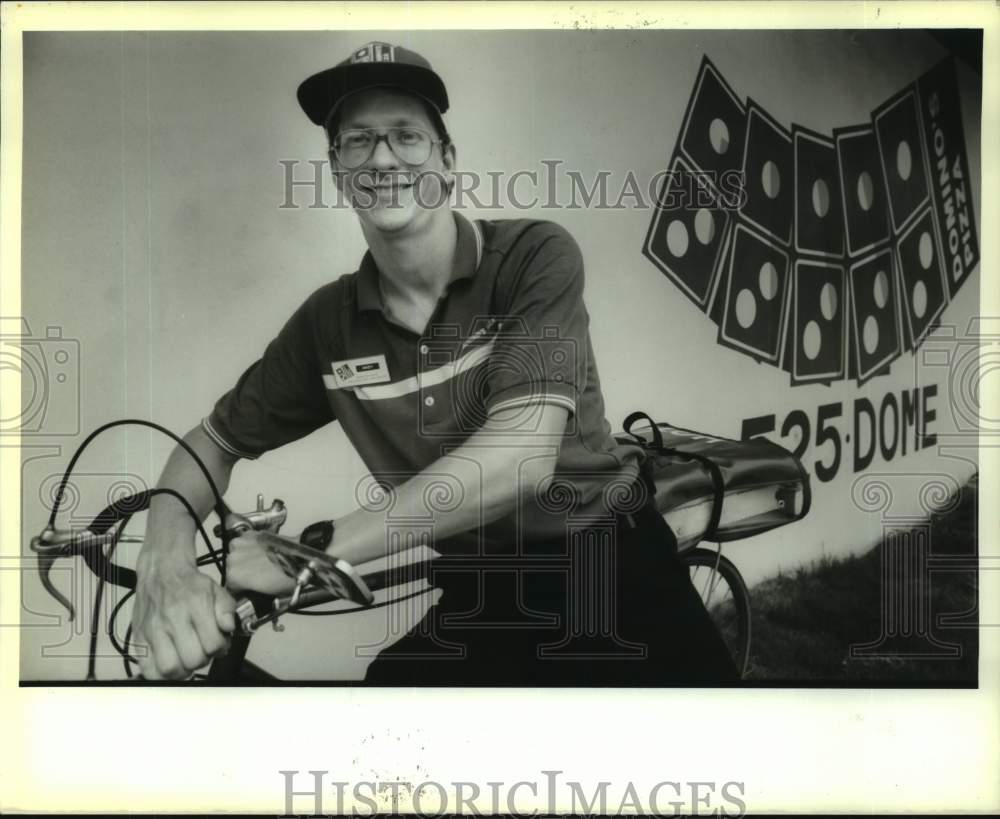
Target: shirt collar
468,255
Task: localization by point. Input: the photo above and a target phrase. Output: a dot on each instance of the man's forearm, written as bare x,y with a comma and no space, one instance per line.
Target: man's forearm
475,484
170,528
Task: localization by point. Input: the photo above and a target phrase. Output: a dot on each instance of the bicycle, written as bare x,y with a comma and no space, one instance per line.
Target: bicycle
321,579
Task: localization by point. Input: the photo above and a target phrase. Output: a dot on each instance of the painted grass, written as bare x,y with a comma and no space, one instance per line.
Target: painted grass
805,623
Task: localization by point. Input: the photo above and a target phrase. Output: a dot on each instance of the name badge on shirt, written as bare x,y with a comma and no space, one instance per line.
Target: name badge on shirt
356,372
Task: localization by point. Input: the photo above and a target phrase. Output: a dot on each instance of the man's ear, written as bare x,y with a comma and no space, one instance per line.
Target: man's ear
449,157
335,171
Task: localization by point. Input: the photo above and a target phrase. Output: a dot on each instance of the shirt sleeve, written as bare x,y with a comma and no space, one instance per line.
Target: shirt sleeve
280,398
540,353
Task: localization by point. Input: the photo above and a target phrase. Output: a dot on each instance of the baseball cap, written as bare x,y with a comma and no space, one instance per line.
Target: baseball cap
374,65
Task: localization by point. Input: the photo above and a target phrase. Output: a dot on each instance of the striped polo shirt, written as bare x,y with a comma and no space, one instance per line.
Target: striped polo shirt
510,331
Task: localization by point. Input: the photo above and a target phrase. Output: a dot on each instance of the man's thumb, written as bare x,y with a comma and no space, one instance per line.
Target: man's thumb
225,610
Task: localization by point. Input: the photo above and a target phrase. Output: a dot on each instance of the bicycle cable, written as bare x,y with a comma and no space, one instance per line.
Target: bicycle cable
221,509
122,648
201,560
96,617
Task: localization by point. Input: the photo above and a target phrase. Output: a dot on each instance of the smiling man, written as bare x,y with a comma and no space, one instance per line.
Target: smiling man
457,359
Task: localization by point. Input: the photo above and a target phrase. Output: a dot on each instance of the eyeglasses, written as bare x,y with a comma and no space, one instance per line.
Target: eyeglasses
354,147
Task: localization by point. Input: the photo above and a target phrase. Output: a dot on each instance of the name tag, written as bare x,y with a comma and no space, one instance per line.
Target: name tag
357,372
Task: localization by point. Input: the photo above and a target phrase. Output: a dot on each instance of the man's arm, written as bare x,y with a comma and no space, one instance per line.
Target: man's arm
182,615
510,458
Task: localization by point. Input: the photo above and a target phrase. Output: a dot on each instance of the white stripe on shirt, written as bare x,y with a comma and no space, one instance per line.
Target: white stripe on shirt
421,381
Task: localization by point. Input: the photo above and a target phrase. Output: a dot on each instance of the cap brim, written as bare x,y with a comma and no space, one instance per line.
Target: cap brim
321,93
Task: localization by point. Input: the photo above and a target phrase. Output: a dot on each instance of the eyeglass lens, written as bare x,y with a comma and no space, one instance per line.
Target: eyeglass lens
355,147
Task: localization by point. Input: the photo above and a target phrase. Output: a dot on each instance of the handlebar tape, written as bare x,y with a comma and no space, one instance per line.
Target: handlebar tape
119,511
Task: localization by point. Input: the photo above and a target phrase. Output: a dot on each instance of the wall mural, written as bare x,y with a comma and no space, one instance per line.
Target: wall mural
826,256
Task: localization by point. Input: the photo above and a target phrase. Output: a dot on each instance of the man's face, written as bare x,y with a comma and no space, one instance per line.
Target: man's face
386,192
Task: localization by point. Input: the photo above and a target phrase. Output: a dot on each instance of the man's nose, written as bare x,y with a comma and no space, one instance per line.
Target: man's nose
382,156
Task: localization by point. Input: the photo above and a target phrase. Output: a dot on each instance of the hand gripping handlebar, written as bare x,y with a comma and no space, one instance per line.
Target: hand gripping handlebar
333,577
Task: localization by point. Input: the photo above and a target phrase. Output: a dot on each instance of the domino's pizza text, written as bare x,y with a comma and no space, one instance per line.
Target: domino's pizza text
953,196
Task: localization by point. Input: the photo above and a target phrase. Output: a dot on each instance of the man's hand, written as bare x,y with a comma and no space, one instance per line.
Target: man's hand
183,616
250,569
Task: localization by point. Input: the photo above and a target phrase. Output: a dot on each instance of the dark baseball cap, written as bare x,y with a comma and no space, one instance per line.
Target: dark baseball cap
374,65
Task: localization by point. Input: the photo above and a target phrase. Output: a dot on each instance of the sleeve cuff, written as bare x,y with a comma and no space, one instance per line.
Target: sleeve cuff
223,444
559,394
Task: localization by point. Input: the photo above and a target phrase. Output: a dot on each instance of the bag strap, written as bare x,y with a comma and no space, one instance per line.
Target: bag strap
639,415
718,482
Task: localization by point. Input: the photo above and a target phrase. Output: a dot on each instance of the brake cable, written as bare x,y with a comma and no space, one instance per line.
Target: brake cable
95,619
204,559
221,509
115,514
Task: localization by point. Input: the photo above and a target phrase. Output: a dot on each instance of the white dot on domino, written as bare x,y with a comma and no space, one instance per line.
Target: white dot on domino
770,179
768,281
881,287
718,136
704,226
828,301
746,308
926,250
904,162
870,335
812,340
677,238
919,299
820,198
866,191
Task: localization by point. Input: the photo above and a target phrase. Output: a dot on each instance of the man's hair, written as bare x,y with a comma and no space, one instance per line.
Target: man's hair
333,123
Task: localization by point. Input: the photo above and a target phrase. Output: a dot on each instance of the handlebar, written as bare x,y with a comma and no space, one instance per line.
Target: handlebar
51,544
319,577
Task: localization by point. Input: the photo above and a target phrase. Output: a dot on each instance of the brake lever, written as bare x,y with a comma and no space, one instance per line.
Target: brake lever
263,520
47,555
305,565
51,544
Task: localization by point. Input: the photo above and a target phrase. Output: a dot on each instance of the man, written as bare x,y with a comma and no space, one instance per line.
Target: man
458,361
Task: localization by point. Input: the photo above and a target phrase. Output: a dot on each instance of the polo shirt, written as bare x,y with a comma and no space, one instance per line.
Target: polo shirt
511,330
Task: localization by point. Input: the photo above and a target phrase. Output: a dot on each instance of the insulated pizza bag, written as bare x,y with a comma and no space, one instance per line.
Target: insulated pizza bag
718,489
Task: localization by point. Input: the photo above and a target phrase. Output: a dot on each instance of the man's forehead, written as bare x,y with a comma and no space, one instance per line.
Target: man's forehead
383,104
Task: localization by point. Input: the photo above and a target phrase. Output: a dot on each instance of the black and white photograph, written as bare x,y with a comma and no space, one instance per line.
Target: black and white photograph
483,361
